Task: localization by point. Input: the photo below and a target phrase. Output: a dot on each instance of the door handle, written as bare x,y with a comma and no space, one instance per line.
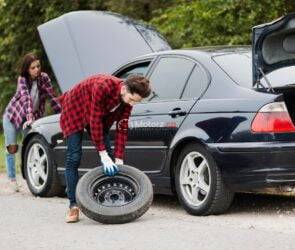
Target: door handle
177,112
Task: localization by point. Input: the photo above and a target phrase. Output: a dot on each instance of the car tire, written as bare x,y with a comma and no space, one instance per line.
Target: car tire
199,184
114,200
40,170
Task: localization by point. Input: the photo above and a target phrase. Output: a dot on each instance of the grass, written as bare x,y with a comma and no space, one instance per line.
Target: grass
2,155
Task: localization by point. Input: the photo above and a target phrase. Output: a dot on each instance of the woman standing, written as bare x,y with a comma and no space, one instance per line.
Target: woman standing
27,105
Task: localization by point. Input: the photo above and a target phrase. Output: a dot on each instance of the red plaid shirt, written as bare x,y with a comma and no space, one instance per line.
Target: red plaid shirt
20,107
90,103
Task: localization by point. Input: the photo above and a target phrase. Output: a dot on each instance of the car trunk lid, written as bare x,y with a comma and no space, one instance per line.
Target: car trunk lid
273,46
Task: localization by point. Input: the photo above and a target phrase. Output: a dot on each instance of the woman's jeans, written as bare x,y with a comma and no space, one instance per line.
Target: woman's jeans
10,134
73,158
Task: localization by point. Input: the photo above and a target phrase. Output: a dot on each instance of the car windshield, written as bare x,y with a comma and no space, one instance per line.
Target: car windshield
239,67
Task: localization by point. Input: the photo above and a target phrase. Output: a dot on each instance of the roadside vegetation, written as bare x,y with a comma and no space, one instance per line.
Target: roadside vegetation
185,23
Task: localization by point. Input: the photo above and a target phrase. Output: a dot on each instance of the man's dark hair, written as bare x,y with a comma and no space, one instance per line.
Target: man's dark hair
138,84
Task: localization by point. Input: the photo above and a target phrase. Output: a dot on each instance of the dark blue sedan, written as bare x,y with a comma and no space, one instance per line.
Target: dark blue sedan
220,120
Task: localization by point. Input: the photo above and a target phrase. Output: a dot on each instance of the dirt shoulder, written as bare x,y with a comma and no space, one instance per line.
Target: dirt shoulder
253,222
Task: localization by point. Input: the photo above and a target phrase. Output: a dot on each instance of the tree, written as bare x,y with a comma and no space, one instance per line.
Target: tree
185,23
18,30
217,22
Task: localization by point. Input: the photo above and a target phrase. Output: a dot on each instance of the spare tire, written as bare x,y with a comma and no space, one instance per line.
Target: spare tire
113,200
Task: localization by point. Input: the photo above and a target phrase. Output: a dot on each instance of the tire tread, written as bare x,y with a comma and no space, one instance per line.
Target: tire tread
54,188
223,196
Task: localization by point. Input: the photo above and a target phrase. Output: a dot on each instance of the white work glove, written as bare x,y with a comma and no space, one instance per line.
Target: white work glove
109,167
119,161
27,124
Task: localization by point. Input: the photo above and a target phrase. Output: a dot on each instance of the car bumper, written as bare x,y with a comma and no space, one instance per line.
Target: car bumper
251,166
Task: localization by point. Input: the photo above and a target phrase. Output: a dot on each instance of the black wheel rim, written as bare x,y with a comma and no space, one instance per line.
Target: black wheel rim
114,191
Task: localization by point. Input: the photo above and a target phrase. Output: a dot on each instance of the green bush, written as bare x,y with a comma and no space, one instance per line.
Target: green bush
185,23
216,22
18,30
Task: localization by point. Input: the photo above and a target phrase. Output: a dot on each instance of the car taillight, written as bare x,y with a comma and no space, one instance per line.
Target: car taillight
273,117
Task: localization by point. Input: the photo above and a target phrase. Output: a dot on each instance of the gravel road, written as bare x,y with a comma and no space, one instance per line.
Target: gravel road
253,222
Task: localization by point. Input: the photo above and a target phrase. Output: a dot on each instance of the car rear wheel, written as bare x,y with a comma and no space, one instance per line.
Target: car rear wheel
113,200
40,170
199,184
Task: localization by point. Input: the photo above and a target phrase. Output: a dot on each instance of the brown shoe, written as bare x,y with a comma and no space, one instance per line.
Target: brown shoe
73,215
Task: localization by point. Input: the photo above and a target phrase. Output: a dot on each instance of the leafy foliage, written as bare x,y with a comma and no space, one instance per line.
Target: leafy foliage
185,23
217,22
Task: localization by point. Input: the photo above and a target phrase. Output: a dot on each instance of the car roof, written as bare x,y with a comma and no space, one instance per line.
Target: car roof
204,51
217,50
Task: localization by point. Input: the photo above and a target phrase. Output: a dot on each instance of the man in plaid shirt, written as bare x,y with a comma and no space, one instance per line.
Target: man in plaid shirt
96,103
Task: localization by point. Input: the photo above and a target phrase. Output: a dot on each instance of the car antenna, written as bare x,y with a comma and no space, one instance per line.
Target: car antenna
267,81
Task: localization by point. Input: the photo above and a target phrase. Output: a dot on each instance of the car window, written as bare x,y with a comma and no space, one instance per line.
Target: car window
169,77
196,84
239,68
138,69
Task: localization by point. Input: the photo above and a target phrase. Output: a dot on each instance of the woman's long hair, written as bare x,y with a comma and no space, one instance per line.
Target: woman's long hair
25,65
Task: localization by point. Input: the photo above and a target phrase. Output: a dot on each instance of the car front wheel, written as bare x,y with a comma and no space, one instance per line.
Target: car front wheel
39,168
199,184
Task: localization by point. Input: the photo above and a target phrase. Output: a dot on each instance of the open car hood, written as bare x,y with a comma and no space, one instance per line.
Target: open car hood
82,43
273,46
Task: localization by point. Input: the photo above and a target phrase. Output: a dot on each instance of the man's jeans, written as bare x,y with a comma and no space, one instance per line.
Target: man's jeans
73,159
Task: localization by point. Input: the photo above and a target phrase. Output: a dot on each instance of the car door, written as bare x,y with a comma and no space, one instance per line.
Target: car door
90,156
155,121
152,125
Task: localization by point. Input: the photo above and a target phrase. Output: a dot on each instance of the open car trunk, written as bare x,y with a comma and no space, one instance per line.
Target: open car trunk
273,51
273,46
288,94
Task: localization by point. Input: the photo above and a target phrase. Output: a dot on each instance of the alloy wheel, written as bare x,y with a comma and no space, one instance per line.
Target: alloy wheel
195,178
37,164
